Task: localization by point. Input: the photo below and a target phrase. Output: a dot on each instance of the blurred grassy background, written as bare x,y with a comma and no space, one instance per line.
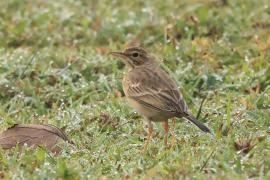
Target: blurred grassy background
54,69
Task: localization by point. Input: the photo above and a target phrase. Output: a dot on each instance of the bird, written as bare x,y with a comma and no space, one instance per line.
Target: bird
152,92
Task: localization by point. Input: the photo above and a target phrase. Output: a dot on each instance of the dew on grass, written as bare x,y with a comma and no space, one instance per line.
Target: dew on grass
47,163
35,115
247,58
113,20
49,38
54,27
25,145
62,104
1,120
76,120
20,96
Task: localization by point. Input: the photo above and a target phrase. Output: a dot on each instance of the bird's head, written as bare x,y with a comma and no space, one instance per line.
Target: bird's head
134,57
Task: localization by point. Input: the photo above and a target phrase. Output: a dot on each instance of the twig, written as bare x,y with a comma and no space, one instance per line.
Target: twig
208,158
120,125
68,66
28,64
200,108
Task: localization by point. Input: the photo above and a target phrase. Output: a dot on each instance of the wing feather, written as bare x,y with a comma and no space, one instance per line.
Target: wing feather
156,90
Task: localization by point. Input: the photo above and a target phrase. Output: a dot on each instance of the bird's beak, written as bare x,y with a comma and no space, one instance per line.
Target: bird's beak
123,56
119,54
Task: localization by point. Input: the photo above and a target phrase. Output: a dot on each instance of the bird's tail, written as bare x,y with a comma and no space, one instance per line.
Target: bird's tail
200,125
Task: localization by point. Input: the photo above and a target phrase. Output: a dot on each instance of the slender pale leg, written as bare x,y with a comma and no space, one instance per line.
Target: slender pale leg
149,136
173,142
166,128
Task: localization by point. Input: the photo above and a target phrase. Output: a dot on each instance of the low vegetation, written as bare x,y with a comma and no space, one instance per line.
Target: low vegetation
54,69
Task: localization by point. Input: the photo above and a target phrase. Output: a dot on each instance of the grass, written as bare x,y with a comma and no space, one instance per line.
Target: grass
54,68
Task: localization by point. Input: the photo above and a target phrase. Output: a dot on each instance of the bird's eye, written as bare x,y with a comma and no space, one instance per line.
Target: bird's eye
135,54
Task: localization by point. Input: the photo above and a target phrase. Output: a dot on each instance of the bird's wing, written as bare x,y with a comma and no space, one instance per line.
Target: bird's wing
156,90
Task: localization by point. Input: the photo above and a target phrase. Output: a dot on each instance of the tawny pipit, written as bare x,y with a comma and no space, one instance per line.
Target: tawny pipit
152,92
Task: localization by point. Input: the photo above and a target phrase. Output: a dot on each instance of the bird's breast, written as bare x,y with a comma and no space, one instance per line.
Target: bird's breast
125,84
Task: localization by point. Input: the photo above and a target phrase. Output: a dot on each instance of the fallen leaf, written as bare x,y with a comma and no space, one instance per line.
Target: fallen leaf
33,135
246,144
243,145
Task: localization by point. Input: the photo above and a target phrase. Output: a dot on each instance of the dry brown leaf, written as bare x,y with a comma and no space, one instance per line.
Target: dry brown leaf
33,135
246,144
243,145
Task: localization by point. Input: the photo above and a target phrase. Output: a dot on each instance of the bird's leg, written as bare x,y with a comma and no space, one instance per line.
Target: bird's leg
173,135
149,136
166,128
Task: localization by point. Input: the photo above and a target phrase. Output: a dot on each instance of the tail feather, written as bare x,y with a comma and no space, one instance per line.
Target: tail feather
199,124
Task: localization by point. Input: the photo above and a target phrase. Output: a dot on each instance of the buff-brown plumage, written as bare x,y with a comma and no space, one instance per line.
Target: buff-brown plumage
151,91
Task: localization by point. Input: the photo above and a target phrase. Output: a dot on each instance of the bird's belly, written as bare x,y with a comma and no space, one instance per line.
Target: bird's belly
149,113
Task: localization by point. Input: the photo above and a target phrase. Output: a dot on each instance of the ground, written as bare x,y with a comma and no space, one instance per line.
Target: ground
54,68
